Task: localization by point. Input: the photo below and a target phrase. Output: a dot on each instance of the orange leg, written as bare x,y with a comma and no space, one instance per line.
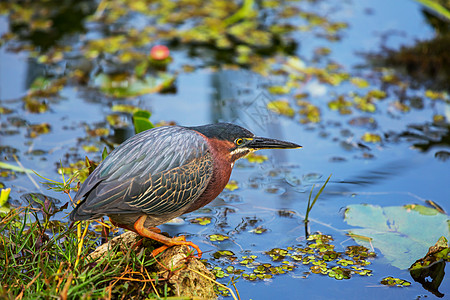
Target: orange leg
168,242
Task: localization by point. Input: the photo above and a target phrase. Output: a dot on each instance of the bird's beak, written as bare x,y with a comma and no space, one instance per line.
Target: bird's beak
264,143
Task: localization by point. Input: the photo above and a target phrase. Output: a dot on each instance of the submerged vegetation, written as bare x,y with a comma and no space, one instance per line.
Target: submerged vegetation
121,52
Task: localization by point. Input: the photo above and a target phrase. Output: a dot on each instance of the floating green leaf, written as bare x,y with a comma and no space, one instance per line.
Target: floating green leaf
401,233
217,237
201,220
392,281
429,270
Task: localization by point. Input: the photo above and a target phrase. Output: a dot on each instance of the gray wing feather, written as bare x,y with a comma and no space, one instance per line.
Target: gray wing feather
159,171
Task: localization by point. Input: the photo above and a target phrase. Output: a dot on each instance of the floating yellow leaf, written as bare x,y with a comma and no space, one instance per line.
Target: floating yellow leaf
310,112
116,120
279,89
341,104
98,132
4,196
371,137
364,104
90,148
401,106
392,281
359,82
438,118
37,129
281,107
4,110
256,158
201,220
232,185
378,94
217,237
33,105
433,95
126,108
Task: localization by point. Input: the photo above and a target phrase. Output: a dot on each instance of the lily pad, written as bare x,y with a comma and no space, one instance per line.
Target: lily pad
402,233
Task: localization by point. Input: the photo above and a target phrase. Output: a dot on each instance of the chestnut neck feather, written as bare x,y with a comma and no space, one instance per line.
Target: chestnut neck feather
220,152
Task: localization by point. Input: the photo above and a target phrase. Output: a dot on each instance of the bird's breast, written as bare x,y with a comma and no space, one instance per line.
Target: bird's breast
221,172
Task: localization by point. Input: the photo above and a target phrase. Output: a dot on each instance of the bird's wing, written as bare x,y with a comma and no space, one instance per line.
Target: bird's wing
159,171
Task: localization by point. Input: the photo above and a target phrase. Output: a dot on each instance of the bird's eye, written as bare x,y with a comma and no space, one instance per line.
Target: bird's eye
239,142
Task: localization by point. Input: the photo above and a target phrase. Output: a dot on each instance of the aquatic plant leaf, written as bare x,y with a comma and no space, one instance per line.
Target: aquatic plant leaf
232,185
4,196
359,82
429,270
438,118
309,112
34,105
201,220
392,281
281,107
38,129
141,121
218,237
116,121
126,108
124,85
341,104
90,148
371,138
256,158
439,251
433,95
5,110
402,234
401,106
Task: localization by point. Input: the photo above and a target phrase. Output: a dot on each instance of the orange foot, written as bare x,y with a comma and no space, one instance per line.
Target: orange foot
168,242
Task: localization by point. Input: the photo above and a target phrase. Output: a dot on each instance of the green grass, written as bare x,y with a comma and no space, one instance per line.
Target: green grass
310,204
39,257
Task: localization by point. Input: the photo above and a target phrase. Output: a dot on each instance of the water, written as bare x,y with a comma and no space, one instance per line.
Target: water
398,174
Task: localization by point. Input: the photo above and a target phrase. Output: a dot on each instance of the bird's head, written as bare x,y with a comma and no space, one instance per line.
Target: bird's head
235,141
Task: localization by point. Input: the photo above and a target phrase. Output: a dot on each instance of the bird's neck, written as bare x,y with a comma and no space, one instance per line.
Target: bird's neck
222,166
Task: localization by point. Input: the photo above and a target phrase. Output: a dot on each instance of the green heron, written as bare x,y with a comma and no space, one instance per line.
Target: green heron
164,172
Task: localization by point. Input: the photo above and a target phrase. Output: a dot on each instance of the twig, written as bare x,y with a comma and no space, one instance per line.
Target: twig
151,282
28,286
65,290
